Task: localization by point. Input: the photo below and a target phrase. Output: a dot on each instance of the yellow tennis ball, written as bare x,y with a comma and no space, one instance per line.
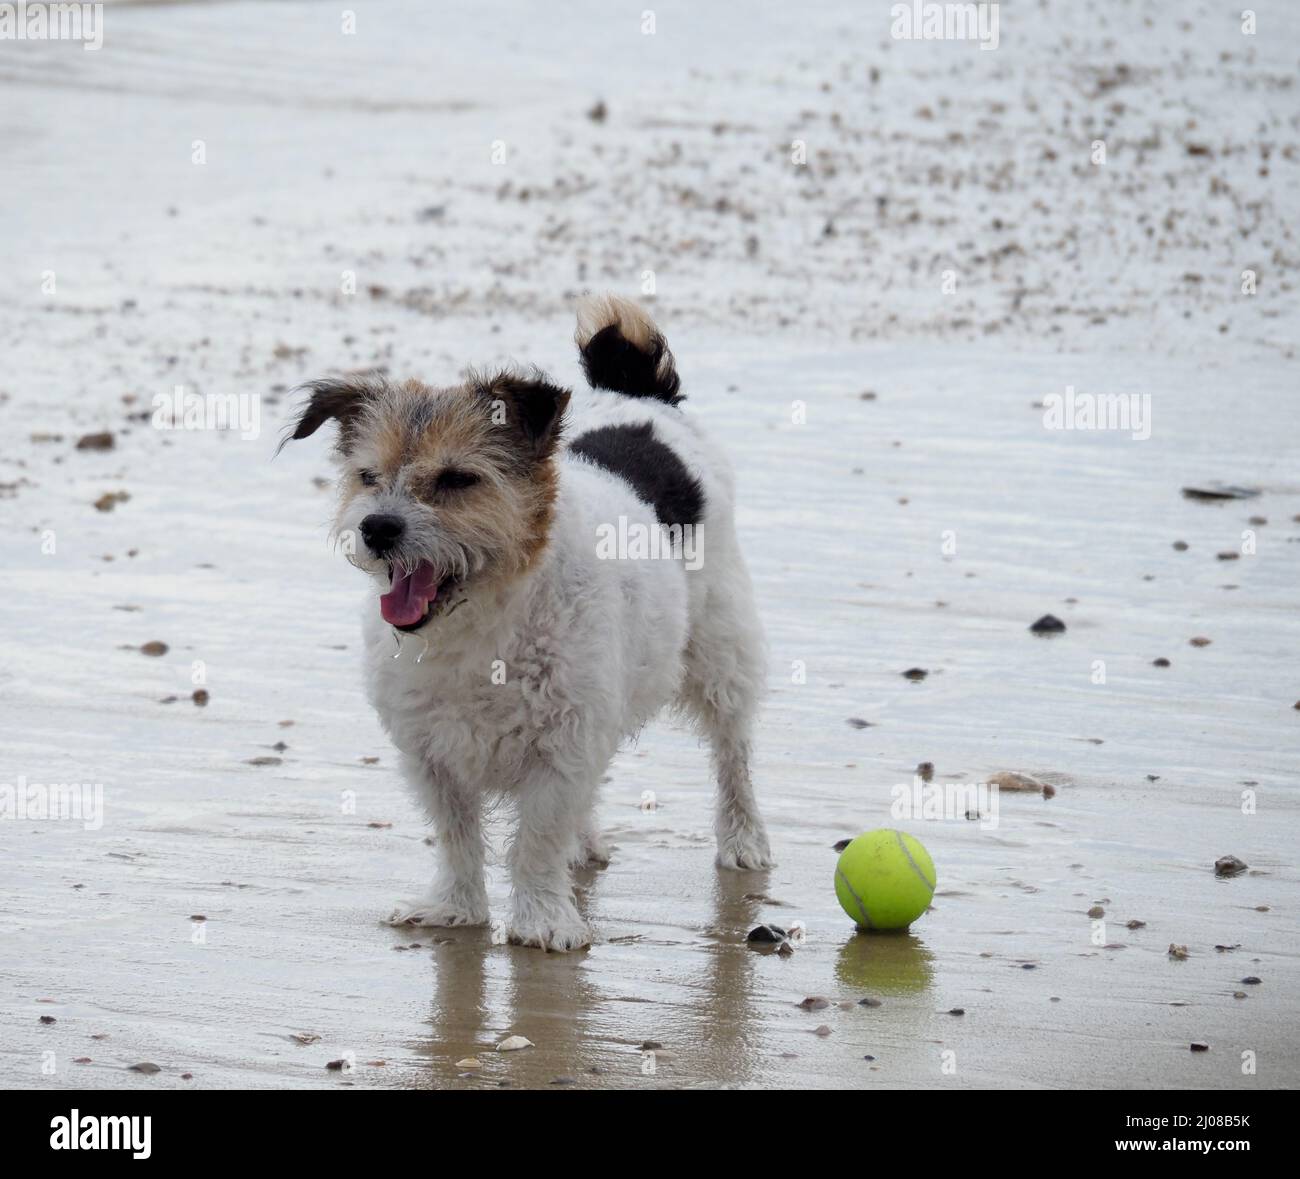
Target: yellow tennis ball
884,879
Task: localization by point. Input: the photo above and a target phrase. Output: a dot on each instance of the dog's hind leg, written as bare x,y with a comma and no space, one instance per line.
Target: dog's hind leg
458,895
721,689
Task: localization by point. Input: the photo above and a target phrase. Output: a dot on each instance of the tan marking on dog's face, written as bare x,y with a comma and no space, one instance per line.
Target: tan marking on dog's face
459,471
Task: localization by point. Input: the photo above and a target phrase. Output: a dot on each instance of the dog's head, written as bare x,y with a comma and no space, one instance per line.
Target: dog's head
440,490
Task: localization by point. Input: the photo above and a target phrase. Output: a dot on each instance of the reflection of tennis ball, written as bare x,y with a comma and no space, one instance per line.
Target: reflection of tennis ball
884,879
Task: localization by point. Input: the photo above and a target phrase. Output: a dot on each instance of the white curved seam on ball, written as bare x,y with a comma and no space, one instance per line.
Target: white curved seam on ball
915,866
840,873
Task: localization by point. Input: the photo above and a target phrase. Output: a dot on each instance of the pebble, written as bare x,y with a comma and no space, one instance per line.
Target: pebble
925,771
154,648
1161,662
200,697
1096,911
1010,780
1049,624
768,934
1252,980
1229,866
514,1044
858,723
915,673
1135,924
1200,641
823,1030
48,1019
841,844
957,1011
1179,952
869,1002
145,1066
1200,1046
469,1062
1180,546
101,441
812,1003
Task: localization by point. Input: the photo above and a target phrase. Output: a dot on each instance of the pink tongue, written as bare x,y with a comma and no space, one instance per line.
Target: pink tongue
409,596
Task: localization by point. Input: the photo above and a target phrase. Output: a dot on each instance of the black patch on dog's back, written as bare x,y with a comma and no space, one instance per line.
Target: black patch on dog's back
651,468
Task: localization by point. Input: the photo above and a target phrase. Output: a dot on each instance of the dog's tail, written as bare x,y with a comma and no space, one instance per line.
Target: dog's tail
622,350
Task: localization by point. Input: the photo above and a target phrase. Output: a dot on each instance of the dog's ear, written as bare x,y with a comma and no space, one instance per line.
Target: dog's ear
532,407
337,398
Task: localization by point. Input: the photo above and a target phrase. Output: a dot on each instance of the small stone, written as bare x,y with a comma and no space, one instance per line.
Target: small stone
514,1044
1135,925
1010,780
154,648
1200,641
1049,791
598,113
823,1030
1228,556
1179,952
469,1062
1049,624
840,844
263,761
1180,546
304,1037
564,1080
101,441
1199,1046
767,934
1096,911
1161,662
1229,866
858,723
200,697
812,1003
48,1019
1252,980
957,1011
869,1002
1238,994
336,1066
925,771
651,1046
145,1066
915,673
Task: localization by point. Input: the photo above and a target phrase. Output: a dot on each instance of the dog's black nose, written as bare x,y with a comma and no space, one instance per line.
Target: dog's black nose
382,532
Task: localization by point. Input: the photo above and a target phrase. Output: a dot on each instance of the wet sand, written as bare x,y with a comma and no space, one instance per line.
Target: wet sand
846,511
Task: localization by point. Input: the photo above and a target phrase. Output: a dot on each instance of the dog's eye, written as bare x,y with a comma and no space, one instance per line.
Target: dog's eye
368,478
455,480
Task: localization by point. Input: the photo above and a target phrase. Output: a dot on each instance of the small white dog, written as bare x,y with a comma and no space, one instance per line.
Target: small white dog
567,566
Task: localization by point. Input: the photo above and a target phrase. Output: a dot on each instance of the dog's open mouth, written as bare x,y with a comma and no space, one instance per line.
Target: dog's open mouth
414,596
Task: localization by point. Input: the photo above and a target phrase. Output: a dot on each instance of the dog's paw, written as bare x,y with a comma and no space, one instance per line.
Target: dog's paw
561,931
593,852
745,849
441,911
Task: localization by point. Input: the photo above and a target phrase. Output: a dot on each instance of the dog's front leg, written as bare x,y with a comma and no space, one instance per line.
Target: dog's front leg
458,895
551,813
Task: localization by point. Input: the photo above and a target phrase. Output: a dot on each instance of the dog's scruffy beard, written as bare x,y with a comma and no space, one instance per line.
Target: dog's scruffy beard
443,493
426,578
